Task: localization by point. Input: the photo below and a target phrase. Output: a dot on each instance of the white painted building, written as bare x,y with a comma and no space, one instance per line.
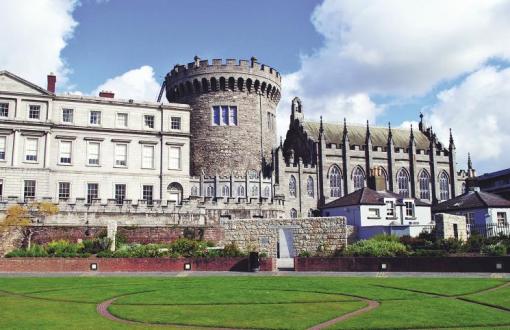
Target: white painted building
68,147
374,212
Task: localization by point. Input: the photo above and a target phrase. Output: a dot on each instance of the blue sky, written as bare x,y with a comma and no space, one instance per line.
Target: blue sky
360,59
116,36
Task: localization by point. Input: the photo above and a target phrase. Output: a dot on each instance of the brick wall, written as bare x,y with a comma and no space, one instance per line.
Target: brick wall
18,265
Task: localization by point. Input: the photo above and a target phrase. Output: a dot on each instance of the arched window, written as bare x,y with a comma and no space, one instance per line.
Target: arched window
194,191
292,186
424,180
231,83
293,213
248,84
335,182
223,83
252,174
267,191
358,178
309,187
210,191
240,84
240,191
444,186
196,85
225,191
214,84
254,191
403,183
205,85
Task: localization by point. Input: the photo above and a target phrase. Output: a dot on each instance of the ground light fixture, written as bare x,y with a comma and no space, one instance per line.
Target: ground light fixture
93,266
499,266
187,266
383,266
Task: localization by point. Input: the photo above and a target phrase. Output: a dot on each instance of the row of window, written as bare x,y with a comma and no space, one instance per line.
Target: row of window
65,155
121,119
64,191
225,191
403,183
310,188
390,210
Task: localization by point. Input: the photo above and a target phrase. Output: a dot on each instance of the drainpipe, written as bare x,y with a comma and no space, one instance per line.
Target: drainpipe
161,155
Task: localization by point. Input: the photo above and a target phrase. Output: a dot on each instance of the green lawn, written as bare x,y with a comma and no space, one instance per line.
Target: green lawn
262,302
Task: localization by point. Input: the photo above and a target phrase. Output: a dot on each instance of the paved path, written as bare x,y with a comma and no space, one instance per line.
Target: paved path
372,304
280,273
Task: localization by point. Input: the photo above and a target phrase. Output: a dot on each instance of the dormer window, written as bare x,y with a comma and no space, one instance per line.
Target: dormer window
409,209
390,208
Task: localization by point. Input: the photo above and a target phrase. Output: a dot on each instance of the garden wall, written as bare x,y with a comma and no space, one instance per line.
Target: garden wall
19,265
404,264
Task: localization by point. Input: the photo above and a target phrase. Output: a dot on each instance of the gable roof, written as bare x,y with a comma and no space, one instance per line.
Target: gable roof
367,196
25,82
333,133
472,200
496,174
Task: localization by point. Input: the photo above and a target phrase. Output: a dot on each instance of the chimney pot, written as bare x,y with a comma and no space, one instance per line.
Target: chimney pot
52,82
107,94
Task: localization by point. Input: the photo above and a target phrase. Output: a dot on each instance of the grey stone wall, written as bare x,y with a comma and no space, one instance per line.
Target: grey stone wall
445,226
310,234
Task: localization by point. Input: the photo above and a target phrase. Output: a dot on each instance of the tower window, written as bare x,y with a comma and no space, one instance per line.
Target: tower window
224,115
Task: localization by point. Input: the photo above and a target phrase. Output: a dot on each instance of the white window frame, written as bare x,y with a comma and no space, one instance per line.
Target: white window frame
87,191
145,121
390,208
503,220
4,107
98,153
29,109
36,160
115,155
71,113
61,142
374,213
179,166
145,147
3,149
178,120
410,206
226,120
58,190
99,119
118,124
25,188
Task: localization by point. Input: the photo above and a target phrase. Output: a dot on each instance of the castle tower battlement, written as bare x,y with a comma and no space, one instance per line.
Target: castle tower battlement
233,117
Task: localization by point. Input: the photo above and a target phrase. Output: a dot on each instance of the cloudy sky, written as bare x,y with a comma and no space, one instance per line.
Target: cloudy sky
364,60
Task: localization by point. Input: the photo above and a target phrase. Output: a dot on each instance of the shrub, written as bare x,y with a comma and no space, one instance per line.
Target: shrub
63,248
263,255
34,251
451,245
429,253
498,249
376,248
474,243
185,247
385,238
416,243
305,254
232,250
96,245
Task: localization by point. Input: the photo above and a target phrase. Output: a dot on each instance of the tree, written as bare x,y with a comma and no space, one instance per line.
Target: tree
20,218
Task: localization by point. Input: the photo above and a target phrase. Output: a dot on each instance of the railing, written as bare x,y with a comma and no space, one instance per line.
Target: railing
489,230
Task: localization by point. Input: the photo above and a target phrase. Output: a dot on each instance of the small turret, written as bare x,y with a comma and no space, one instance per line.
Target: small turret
452,143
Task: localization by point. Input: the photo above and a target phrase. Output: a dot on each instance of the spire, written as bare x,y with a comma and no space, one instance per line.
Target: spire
390,134
368,138
321,129
411,136
345,128
420,125
281,142
452,144
470,164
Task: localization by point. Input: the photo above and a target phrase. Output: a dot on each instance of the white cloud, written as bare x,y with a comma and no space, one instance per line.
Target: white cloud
477,111
137,84
33,36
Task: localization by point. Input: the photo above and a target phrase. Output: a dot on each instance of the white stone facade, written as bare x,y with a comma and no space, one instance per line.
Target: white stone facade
60,143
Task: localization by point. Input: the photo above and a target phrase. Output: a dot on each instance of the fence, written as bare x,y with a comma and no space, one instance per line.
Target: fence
489,230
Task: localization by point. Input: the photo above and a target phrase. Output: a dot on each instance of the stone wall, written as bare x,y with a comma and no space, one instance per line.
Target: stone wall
445,224
309,234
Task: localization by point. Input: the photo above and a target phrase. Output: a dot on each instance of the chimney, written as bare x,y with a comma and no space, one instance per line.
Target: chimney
52,82
107,94
377,181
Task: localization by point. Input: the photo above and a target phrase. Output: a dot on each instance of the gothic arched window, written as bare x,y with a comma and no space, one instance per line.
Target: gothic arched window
293,213
335,182
194,191
240,191
403,183
225,191
292,186
210,191
424,180
444,186
358,178
309,187
267,191
255,191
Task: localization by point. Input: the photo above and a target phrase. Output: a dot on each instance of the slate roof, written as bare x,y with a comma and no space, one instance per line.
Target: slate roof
472,200
367,196
333,133
494,174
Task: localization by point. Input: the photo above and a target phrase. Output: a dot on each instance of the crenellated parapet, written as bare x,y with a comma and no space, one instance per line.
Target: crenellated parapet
200,77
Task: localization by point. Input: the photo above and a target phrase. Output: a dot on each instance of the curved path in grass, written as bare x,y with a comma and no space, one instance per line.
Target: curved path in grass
372,304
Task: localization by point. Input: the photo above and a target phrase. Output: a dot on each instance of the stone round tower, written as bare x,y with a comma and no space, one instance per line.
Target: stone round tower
233,118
